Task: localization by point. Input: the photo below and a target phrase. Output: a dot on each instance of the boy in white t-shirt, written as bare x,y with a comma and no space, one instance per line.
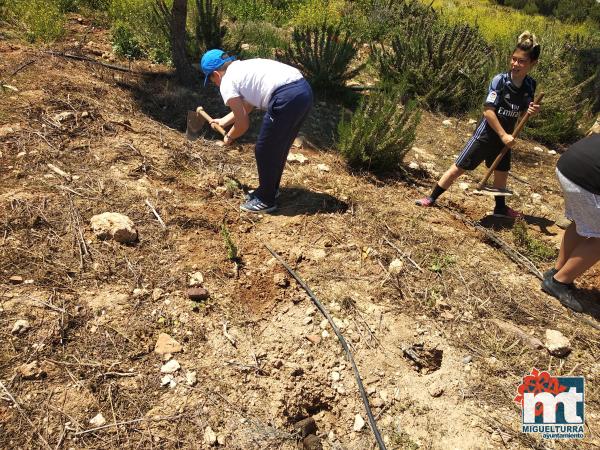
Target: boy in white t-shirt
269,85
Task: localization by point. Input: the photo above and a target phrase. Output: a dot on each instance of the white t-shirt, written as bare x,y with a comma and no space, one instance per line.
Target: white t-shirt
255,80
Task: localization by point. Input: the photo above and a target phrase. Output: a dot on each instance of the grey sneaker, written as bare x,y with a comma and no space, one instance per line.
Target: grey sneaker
563,292
256,205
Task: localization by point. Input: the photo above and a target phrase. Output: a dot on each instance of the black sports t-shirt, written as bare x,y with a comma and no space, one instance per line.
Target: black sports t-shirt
581,163
509,101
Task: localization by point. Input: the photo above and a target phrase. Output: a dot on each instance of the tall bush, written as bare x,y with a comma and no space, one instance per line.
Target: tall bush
209,27
380,132
42,20
445,66
323,53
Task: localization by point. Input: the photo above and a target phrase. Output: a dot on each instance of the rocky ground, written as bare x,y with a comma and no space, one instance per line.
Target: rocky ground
102,346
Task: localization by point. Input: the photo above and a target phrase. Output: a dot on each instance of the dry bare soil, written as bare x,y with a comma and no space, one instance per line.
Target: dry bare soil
96,308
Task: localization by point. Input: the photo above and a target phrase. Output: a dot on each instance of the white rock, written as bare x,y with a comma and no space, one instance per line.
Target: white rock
307,320
98,420
324,324
536,198
384,395
471,122
323,167
551,152
157,293
447,123
64,116
335,376
20,326
221,439
556,343
245,46
310,311
115,226
191,379
464,186
325,334
168,380
196,279
166,344
210,437
171,366
538,149
359,423
296,157
414,165
396,266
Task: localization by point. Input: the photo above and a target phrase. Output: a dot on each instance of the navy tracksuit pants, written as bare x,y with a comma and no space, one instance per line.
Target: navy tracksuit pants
287,110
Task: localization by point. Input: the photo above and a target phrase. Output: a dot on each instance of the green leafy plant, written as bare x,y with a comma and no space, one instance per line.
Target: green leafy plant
533,248
445,66
380,132
230,247
323,53
124,42
42,20
261,39
209,28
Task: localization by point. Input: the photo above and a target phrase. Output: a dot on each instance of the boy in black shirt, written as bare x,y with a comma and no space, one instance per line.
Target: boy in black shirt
509,95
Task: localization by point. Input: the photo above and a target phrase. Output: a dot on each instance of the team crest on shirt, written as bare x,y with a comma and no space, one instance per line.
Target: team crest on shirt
491,98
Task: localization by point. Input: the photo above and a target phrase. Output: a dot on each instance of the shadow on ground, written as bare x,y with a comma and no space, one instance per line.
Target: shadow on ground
295,201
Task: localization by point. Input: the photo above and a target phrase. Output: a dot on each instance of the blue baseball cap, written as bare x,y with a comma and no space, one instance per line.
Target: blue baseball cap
213,60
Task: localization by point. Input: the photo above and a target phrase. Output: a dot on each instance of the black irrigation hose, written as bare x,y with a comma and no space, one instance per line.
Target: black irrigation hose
361,388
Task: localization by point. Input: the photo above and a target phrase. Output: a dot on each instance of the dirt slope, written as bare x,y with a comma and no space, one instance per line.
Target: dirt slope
96,308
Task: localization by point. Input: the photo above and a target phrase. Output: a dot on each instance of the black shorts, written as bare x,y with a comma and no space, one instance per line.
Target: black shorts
477,151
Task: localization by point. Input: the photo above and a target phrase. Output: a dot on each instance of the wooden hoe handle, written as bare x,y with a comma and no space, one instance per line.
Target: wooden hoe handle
515,133
214,126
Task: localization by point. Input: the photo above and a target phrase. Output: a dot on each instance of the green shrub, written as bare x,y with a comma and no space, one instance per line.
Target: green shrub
209,26
323,53
535,249
380,132
272,11
124,42
445,66
42,20
140,20
313,13
262,39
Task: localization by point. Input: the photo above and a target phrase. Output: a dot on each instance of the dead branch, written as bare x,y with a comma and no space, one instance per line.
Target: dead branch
162,224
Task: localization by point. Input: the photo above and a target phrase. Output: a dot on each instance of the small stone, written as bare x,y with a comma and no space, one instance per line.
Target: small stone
552,152
396,266
157,293
166,344
196,279
335,376
221,439
314,338
464,186
115,226
20,326
467,359
307,320
64,116
557,344
305,427
323,167
324,324
384,395
310,311
414,165
447,123
281,280
435,390
30,371
563,222
168,380
191,379
15,279
85,114
197,294
538,149
377,402
245,46
296,157
98,420
359,423
471,122
171,366
536,198
325,334
210,437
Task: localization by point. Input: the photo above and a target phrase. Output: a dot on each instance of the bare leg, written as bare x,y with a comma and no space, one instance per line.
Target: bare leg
500,179
585,254
450,176
570,240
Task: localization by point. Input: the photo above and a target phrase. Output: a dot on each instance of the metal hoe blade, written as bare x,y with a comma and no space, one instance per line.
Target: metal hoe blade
486,190
195,122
